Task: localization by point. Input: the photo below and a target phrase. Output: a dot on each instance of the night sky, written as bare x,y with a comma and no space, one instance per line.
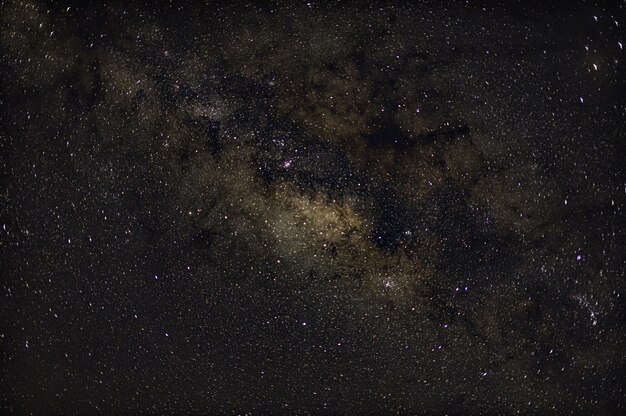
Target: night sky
306,208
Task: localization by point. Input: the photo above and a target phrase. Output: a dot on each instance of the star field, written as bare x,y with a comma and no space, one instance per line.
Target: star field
307,208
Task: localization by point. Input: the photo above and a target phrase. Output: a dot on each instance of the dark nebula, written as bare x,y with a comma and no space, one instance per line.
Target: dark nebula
307,208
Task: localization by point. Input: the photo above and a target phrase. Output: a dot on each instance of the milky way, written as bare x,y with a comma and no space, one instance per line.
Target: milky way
306,208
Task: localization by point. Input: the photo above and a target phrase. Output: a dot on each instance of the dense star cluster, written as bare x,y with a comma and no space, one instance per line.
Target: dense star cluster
408,208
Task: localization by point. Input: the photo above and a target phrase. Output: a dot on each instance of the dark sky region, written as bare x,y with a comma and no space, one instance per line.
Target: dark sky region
312,208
